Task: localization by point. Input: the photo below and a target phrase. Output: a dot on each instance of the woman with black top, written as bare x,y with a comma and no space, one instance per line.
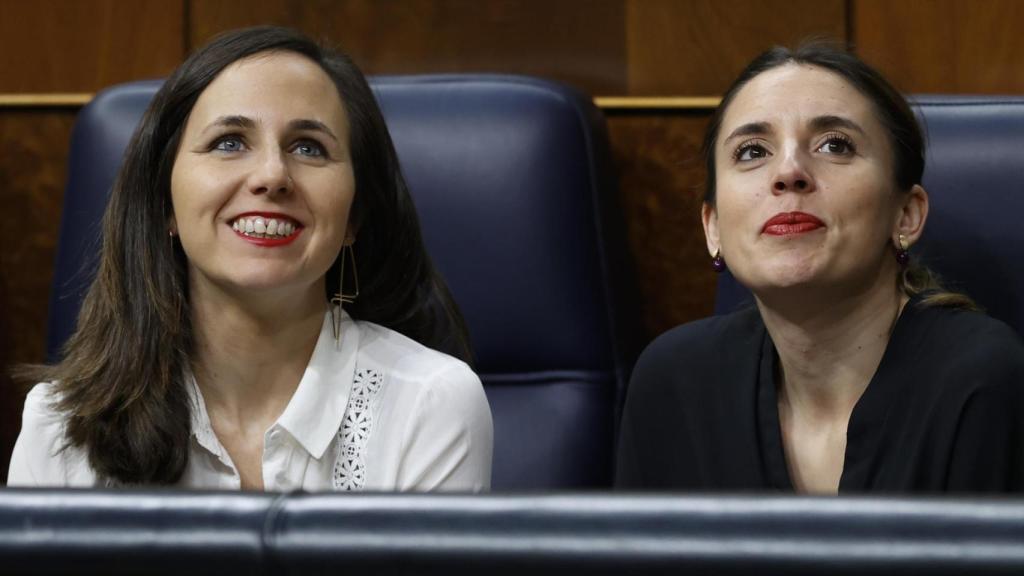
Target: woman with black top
855,371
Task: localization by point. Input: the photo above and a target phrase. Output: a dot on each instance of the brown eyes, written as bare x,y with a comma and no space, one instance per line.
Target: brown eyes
835,144
749,151
838,144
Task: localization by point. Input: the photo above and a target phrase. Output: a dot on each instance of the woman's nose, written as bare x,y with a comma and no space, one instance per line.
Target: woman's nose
271,174
792,176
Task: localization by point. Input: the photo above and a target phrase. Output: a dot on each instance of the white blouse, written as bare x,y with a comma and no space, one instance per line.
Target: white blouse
377,412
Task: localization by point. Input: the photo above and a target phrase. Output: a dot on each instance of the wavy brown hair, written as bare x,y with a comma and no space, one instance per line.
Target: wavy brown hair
895,115
121,381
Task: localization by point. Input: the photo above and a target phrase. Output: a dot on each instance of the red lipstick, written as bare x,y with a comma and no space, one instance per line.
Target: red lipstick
787,223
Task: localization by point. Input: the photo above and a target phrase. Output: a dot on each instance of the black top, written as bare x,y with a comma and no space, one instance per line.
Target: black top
943,412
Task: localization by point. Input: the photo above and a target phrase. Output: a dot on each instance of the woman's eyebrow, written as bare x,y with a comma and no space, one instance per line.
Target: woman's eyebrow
313,125
831,122
750,129
233,121
244,122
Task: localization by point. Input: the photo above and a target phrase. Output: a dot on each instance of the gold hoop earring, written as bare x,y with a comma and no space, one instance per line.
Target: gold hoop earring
340,297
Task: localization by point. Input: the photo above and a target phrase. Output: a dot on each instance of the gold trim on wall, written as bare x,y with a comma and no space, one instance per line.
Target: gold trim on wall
657,102
72,100
611,103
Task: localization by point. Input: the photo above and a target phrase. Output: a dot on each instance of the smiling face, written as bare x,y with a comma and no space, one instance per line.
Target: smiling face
805,187
262,184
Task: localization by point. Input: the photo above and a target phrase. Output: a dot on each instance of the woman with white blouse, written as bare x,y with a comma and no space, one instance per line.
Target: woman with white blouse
260,193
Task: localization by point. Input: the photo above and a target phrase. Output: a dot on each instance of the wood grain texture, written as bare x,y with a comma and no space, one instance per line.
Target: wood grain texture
33,156
697,47
33,159
943,45
581,43
85,45
660,186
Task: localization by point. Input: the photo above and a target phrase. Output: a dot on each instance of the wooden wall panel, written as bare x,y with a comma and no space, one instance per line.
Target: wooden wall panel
33,155
943,45
657,157
697,47
85,45
577,42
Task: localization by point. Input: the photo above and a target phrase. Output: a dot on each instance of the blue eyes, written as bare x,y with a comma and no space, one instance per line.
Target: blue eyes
228,144
304,147
309,148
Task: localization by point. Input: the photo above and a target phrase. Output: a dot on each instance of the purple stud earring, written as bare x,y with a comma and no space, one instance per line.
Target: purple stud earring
717,262
902,253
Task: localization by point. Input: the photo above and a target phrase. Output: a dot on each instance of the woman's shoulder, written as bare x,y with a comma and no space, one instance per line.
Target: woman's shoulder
968,339
41,412
446,429
423,380
700,360
704,340
961,356
41,456
406,359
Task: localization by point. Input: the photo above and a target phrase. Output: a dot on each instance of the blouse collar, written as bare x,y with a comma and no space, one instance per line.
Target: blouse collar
314,413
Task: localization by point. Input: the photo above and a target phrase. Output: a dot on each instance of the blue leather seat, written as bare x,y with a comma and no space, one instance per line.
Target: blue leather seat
512,180
974,176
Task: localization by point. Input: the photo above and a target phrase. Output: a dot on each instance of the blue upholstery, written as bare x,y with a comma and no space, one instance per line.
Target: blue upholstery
974,176
511,177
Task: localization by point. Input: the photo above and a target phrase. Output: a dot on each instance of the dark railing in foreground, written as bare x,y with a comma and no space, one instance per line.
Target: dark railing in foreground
191,533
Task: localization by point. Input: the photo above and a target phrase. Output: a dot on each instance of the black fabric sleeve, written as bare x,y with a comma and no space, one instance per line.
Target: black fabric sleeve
627,465
988,450
635,444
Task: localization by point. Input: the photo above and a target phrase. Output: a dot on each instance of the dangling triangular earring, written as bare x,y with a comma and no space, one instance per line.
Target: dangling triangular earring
340,297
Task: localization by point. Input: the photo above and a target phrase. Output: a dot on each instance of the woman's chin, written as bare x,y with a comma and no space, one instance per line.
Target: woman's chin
782,276
261,284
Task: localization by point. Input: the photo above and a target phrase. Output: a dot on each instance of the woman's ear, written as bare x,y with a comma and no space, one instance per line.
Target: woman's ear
709,218
172,226
913,215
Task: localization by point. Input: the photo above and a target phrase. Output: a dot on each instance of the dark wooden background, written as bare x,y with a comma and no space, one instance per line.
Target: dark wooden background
635,48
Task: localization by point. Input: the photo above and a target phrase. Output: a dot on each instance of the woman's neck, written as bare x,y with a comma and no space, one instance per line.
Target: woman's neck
251,352
830,349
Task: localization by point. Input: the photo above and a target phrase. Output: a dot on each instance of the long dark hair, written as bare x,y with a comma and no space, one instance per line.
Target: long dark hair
121,380
893,112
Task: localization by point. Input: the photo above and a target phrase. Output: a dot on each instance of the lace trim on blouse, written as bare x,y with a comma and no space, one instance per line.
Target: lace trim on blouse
350,468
